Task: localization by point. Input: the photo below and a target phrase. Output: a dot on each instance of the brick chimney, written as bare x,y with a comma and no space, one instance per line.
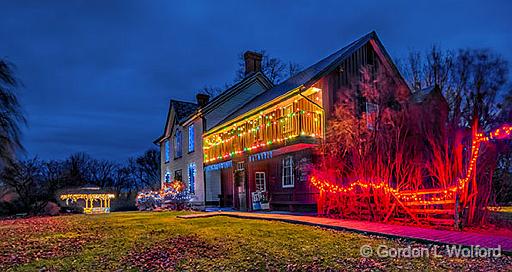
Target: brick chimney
252,62
202,99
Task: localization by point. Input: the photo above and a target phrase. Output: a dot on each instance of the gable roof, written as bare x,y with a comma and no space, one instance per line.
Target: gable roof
226,94
313,73
426,93
182,110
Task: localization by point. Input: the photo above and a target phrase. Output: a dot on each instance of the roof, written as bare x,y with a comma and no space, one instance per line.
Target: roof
239,85
183,109
86,189
422,95
307,76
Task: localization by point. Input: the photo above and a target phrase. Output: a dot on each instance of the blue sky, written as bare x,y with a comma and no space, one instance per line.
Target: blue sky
98,75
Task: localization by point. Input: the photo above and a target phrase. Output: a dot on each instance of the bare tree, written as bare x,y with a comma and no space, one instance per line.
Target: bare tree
274,68
101,172
472,80
26,180
211,91
10,115
76,169
146,169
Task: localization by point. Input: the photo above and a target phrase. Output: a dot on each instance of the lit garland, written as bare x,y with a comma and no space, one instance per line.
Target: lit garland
503,132
299,117
89,201
175,192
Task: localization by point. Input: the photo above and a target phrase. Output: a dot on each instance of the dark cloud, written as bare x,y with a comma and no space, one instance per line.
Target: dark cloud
98,74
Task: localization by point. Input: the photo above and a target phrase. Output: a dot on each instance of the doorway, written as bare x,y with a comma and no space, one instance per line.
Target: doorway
240,185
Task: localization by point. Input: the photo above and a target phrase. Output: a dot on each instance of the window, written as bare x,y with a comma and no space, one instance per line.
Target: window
192,178
191,138
260,182
177,144
167,177
288,181
178,175
371,114
167,150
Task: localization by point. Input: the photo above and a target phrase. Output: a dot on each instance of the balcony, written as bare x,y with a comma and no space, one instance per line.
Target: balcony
297,118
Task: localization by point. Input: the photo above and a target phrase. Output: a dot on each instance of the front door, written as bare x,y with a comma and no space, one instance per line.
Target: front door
240,184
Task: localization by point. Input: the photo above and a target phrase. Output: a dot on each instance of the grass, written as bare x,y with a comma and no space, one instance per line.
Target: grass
129,241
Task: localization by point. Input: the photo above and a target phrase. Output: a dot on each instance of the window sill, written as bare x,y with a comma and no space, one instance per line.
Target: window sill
289,186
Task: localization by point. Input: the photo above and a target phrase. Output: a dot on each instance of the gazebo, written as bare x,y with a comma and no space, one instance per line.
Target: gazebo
91,195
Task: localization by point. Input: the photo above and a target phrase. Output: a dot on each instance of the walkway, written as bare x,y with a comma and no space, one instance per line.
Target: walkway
392,231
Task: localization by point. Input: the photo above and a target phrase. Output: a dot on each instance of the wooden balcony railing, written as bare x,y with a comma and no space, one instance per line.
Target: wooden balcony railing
298,116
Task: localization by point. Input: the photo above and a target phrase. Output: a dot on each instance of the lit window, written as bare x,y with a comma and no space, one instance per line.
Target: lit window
177,144
178,175
192,178
167,150
288,181
260,182
167,178
191,138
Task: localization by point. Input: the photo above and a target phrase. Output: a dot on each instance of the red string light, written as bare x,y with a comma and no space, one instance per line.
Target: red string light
503,132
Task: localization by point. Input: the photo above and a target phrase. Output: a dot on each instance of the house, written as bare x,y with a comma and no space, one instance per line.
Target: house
268,144
181,141
256,139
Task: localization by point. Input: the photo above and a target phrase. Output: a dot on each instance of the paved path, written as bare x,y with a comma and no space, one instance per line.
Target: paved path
387,230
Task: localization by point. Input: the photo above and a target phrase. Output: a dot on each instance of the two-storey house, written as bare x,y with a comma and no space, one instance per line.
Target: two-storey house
268,144
181,142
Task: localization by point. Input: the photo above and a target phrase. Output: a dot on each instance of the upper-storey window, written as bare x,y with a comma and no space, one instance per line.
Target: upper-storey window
167,151
371,113
177,144
191,138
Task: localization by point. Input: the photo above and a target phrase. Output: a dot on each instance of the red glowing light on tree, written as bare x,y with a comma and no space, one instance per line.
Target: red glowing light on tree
323,185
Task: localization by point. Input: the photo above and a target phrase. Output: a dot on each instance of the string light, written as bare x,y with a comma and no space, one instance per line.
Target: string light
503,132
265,129
175,191
89,199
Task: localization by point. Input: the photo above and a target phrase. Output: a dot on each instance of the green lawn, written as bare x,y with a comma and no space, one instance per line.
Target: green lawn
134,241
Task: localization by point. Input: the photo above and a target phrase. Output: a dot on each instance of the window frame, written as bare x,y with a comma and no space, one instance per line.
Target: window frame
264,181
180,172
167,177
192,185
167,151
283,174
191,139
374,110
178,144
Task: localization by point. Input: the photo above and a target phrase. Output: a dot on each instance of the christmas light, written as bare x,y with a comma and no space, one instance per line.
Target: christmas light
503,132
90,199
298,117
173,192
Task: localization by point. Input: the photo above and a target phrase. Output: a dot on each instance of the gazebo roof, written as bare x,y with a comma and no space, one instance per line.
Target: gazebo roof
86,189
